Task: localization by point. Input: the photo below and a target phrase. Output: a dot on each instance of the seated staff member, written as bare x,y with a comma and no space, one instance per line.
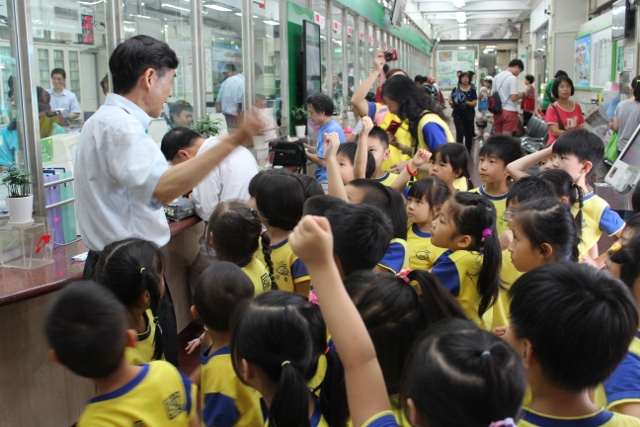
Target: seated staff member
381,116
122,178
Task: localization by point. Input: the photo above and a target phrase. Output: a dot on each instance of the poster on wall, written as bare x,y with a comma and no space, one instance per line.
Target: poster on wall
582,61
450,61
601,57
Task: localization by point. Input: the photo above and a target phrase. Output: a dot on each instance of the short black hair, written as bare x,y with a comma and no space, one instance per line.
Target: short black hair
361,236
222,287
311,186
587,146
279,197
597,314
135,55
516,63
349,149
635,199
59,71
321,103
560,73
179,106
388,200
530,78
529,188
557,82
87,328
628,257
377,132
177,139
464,74
432,188
320,205
504,147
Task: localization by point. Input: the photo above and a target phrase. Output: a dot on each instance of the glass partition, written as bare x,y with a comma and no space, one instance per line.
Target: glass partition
363,52
340,81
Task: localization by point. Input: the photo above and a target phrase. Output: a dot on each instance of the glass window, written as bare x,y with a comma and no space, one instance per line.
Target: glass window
352,56
339,80
363,52
320,7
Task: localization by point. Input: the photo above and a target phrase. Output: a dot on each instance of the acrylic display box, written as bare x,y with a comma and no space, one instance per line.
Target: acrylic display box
26,247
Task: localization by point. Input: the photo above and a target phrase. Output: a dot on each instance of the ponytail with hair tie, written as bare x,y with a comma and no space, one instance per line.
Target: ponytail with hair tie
507,422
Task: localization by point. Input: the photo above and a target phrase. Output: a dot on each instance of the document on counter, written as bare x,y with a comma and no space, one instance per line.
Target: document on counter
80,257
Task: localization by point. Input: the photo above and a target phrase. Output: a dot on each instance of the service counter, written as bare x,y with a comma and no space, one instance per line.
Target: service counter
34,390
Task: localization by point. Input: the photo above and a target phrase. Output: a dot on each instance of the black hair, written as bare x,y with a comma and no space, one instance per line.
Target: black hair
597,314
419,78
556,85
563,186
135,55
395,315
349,149
385,68
457,156
388,200
222,287
549,221
530,78
311,186
279,198
320,205
128,268
560,73
59,71
284,335
633,222
432,188
464,74
176,140
104,84
235,231
413,102
456,365
529,188
472,214
636,88
504,147
635,199
377,132
516,63
321,103
361,235
628,257
179,106
587,146
87,328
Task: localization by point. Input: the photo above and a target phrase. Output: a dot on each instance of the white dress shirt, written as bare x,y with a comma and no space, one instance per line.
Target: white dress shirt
118,167
66,100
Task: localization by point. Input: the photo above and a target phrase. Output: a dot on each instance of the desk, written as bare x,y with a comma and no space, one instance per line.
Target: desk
34,390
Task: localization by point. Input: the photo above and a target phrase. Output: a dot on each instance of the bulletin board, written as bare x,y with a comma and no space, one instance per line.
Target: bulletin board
594,59
601,55
450,61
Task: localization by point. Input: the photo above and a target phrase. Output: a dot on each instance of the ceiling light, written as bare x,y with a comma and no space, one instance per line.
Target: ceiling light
458,3
218,8
463,34
170,6
271,22
490,47
462,47
461,17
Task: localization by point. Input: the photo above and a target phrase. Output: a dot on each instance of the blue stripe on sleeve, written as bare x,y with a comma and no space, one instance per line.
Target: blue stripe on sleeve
187,392
298,270
394,258
219,410
433,135
624,383
447,272
372,110
610,222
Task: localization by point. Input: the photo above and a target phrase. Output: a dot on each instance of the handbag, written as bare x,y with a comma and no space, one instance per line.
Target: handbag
290,153
611,152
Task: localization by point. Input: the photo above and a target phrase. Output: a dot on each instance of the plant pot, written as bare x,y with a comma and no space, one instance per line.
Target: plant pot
301,131
20,209
259,142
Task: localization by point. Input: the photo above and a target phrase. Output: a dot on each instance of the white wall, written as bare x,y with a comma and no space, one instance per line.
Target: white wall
537,17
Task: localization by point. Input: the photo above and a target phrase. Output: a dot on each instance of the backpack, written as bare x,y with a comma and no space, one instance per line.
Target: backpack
494,104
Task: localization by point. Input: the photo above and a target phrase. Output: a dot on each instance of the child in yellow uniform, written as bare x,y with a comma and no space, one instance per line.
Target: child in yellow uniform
276,345
225,400
374,140
87,330
456,366
132,269
450,163
495,155
556,311
470,266
235,232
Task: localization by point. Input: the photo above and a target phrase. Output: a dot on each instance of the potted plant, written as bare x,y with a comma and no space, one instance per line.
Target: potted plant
299,115
207,127
20,199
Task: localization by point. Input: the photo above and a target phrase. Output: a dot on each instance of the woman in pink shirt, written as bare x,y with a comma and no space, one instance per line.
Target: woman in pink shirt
563,115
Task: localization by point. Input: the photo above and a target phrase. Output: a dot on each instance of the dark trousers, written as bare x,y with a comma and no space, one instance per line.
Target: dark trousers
166,314
465,129
526,115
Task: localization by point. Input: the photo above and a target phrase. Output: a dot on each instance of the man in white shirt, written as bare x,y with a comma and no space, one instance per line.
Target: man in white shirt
122,179
231,97
506,84
62,98
228,181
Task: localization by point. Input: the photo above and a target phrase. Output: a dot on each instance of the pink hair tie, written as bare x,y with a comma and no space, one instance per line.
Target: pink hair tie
404,275
486,232
313,299
261,233
507,422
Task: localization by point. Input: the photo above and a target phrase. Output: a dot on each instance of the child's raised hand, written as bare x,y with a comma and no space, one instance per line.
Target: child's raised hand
193,345
506,237
312,241
331,144
500,331
367,125
421,157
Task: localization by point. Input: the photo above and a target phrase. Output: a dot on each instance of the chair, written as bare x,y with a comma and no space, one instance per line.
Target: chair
536,134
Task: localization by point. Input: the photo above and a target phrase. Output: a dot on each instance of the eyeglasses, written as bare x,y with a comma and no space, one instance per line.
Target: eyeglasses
507,216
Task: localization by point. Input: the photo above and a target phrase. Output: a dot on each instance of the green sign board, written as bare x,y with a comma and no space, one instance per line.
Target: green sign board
620,60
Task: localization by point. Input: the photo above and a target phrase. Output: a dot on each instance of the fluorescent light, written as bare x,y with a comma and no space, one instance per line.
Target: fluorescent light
462,47
218,8
461,17
490,47
91,3
271,22
458,3
170,6
240,14
463,34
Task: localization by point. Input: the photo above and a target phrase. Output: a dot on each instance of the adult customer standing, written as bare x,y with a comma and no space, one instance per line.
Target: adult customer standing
506,85
627,115
122,178
463,100
231,97
62,98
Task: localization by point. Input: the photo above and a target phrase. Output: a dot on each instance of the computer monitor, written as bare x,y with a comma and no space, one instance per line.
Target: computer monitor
625,172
